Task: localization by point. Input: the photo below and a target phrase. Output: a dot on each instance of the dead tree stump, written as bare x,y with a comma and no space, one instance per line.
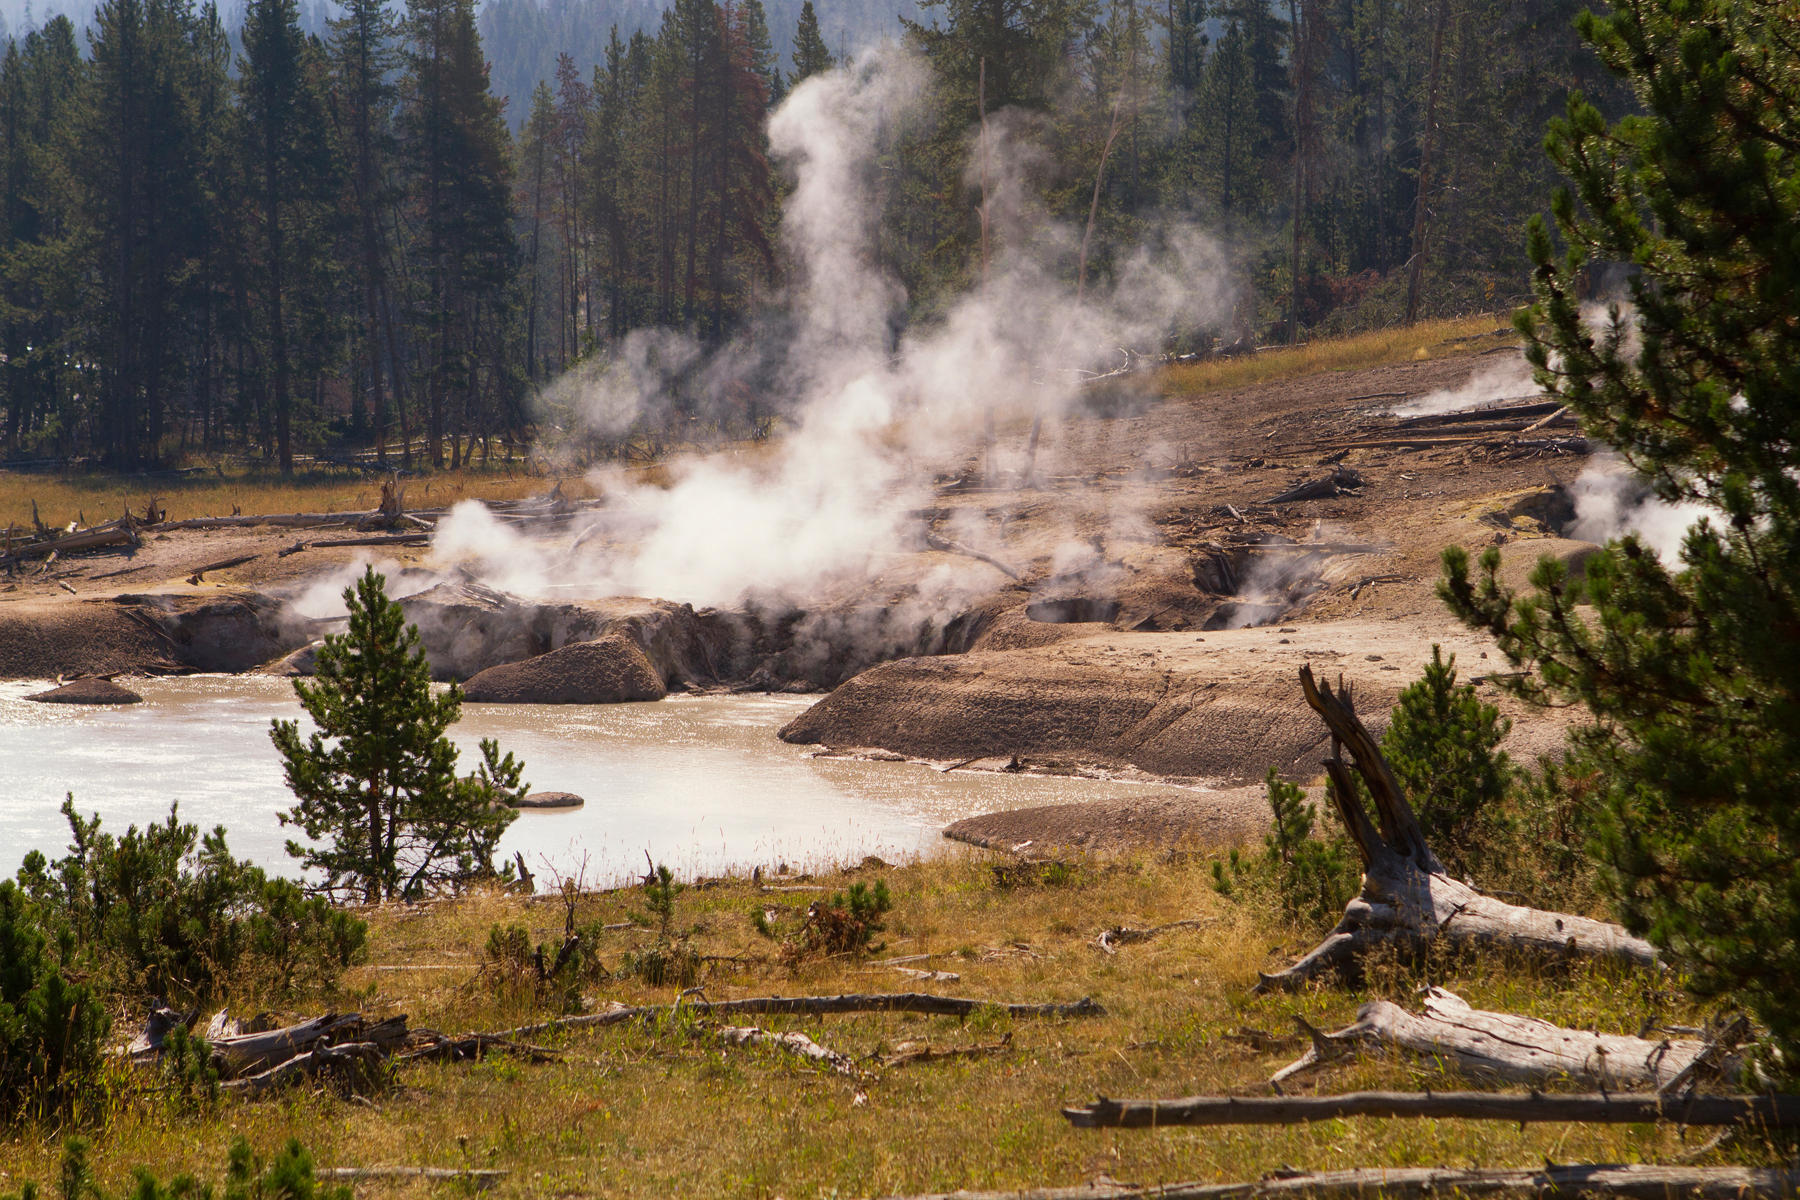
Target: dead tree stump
1407,901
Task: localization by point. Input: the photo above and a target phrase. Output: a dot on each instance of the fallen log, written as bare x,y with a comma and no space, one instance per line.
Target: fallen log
250,1054
1341,482
429,1044
909,1002
913,1052
791,1043
1407,901
378,539
221,565
1634,1181
1771,1112
283,520
113,533
1505,1046
355,1062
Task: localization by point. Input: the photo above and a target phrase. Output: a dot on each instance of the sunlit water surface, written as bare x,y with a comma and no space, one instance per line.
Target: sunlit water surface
699,782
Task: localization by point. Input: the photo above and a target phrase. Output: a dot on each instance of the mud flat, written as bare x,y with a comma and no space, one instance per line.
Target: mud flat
1216,709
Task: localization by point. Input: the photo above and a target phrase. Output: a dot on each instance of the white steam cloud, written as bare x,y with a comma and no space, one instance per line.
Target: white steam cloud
1612,500
871,412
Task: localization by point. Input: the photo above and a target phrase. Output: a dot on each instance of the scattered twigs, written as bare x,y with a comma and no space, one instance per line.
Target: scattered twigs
1635,1181
944,544
1120,935
911,1002
1496,1045
1592,1108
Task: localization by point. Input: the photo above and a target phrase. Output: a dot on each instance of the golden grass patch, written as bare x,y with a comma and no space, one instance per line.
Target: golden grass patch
660,1109
1428,339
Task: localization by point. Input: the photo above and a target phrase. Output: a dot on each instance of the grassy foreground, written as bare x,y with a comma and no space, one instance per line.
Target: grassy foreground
657,1111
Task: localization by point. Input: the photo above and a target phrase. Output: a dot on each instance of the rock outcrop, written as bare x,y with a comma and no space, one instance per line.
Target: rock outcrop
609,670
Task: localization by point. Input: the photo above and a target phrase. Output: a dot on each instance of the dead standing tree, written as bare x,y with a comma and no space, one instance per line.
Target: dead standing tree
1407,901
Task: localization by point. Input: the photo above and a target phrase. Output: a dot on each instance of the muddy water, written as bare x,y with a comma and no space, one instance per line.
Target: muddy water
701,782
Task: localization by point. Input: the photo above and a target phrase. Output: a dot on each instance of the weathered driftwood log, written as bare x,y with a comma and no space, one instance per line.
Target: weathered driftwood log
122,532
791,1043
250,1054
1505,1046
354,1062
1636,1181
911,1002
1406,899
1771,1112
241,1055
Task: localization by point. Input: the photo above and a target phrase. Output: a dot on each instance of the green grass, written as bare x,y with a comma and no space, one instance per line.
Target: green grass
651,1111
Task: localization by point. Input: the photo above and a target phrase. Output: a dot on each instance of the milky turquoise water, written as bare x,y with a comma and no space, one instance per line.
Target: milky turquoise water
700,782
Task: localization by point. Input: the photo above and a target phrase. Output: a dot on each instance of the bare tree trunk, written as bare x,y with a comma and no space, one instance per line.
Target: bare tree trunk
1416,269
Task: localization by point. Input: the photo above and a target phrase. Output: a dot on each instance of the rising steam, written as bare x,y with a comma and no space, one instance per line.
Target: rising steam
872,413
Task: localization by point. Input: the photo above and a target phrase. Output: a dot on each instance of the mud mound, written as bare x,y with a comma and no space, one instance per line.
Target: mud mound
1160,819
88,691
44,640
551,800
607,671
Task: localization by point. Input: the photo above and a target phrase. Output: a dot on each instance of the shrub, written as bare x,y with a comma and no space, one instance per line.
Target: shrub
289,1176
1443,744
1310,877
157,917
50,1028
670,960
1315,877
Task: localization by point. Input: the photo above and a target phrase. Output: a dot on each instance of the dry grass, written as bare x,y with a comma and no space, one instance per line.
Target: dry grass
659,1111
1428,339
96,497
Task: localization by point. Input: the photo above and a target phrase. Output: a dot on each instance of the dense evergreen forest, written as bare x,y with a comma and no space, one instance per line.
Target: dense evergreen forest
310,244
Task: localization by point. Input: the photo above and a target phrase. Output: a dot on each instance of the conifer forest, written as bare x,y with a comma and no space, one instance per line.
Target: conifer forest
254,240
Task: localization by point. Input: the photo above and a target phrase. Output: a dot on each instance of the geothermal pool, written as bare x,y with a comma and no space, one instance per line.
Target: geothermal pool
701,782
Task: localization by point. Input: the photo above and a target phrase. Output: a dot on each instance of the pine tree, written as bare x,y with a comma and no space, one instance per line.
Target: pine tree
1443,744
1691,671
376,784
811,57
